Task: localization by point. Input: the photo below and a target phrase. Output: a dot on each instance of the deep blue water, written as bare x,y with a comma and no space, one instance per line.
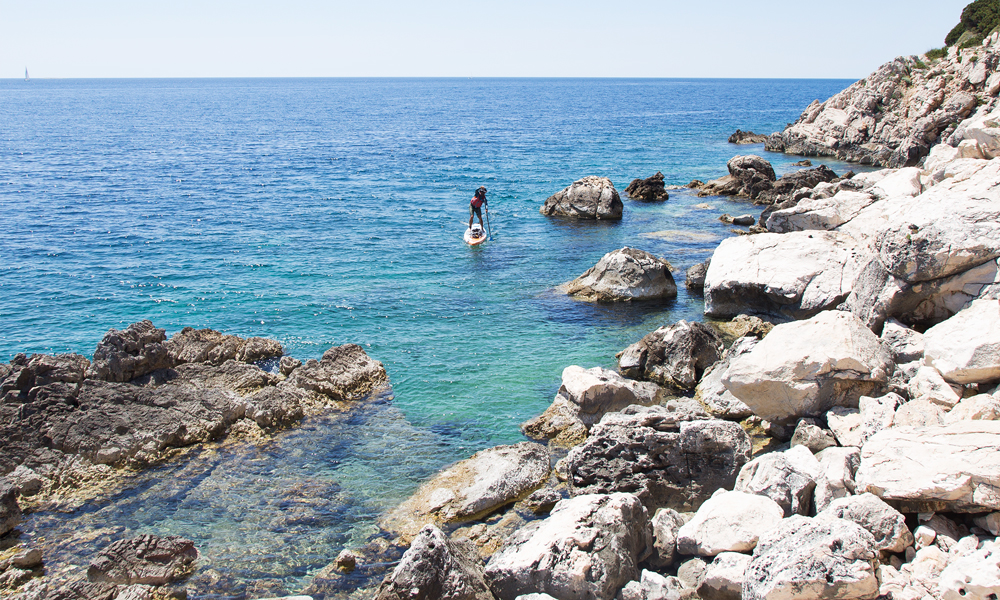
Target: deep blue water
325,211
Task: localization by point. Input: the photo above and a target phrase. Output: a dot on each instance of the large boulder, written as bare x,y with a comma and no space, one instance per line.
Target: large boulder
886,524
966,347
136,351
728,522
821,214
712,393
212,347
584,397
806,559
472,488
793,275
804,368
787,478
588,547
950,468
588,198
748,176
436,567
838,467
724,577
666,463
674,355
787,188
648,190
623,275
146,559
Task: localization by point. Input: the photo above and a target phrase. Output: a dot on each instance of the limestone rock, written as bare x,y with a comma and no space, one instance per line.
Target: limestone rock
584,397
436,567
146,559
647,190
10,512
471,488
808,433
676,355
712,393
694,277
905,344
928,384
793,275
588,198
810,558
624,275
724,577
951,468
876,414
890,118
804,368
343,373
975,575
651,586
747,137
788,478
602,536
820,214
981,407
666,523
885,523
966,347
664,462
212,347
920,413
728,522
836,477
124,355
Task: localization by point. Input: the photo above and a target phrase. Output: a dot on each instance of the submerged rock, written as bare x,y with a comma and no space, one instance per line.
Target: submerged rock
147,559
588,198
623,275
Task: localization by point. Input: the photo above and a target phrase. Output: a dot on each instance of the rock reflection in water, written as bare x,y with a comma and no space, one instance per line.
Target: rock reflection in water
265,518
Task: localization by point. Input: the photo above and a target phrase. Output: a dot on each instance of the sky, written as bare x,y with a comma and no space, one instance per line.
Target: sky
452,38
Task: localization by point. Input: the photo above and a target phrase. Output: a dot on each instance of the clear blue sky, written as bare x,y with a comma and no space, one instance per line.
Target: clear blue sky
509,38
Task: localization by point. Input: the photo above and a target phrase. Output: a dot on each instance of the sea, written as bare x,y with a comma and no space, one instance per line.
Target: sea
320,212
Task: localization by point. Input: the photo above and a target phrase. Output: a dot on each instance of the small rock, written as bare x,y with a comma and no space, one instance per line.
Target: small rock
808,433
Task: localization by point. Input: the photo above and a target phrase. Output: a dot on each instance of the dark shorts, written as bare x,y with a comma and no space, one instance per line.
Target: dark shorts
475,210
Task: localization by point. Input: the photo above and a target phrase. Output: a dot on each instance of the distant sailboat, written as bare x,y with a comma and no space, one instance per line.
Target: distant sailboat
26,78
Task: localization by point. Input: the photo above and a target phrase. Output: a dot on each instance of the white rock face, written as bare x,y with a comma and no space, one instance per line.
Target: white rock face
981,407
650,585
806,558
728,522
966,347
788,478
822,214
795,274
724,577
804,368
625,274
902,183
976,575
487,480
877,414
588,547
920,413
711,392
846,425
952,468
928,384
836,477
886,524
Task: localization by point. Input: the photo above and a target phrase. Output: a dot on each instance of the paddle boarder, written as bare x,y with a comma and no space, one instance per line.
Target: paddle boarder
475,206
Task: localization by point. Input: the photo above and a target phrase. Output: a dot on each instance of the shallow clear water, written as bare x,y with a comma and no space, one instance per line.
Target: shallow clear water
321,212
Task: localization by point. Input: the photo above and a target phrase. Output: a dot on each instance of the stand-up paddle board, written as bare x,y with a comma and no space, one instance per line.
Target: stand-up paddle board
475,235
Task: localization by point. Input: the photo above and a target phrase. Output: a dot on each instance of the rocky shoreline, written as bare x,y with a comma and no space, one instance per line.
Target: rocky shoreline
831,431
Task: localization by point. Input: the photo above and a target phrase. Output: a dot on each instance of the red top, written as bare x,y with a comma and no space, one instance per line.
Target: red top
477,201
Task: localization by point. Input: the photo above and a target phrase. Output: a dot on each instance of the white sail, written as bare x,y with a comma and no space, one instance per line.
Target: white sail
26,78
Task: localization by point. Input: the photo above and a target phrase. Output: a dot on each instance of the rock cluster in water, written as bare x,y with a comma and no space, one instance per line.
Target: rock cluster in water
67,422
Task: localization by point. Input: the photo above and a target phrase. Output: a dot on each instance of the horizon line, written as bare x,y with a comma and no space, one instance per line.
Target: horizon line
33,78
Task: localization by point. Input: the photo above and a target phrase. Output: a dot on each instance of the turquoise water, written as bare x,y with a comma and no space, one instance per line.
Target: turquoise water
321,212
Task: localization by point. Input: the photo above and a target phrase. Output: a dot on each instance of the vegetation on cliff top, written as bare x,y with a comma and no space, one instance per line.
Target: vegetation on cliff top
979,19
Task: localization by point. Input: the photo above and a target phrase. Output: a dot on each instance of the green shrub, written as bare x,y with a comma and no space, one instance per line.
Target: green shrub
971,42
936,53
919,64
978,20
954,34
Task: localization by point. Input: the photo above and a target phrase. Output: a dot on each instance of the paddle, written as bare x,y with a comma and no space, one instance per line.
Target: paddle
488,225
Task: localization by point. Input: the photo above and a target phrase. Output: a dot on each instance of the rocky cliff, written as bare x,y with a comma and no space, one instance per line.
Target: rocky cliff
895,115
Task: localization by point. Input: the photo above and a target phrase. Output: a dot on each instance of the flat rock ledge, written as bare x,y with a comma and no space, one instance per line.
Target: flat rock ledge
625,275
68,420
